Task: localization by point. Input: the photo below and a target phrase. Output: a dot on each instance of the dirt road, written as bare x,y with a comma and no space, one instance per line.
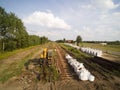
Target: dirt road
63,65
5,63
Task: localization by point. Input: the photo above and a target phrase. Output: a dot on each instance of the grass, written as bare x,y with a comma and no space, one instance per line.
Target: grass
14,69
110,49
7,54
74,51
114,48
51,74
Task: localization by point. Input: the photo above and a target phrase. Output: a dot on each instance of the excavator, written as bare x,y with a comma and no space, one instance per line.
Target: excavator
46,56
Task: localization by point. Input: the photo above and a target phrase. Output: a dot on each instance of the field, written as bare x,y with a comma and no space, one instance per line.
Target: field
37,45
111,49
23,70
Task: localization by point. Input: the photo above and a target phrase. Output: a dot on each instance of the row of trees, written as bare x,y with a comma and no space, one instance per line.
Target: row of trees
78,40
13,34
108,42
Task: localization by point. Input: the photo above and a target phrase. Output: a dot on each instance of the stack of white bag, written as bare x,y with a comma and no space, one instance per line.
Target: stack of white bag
77,47
91,51
80,70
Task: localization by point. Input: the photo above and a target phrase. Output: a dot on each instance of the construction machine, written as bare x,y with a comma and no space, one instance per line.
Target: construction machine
46,56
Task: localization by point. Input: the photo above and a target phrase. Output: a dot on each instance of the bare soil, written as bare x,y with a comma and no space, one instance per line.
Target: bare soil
110,57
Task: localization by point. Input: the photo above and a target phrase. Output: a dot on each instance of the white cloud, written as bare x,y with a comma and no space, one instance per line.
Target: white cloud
104,4
88,6
103,16
46,20
102,32
96,20
110,19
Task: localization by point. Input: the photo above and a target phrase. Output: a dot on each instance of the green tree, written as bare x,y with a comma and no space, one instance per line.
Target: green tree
43,40
78,40
13,34
64,40
12,31
3,27
34,40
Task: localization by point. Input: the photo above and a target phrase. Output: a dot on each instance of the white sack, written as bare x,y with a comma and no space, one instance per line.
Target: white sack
91,78
84,75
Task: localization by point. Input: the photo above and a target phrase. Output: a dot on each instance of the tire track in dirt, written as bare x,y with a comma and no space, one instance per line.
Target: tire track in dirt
24,81
113,58
69,80
5,63
63,65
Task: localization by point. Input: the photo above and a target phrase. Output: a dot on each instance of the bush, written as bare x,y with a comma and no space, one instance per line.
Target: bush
10,45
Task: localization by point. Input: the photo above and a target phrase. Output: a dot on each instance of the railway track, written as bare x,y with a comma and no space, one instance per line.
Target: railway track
63,65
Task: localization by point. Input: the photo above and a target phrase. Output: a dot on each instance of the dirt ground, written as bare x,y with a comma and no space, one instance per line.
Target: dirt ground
68,78
103,80
110,57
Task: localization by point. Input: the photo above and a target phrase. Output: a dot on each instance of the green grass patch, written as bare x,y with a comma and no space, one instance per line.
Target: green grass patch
114,48
55,75
50,74
14,69
7,54
75,52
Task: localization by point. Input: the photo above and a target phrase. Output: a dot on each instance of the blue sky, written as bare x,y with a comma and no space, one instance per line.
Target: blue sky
58,19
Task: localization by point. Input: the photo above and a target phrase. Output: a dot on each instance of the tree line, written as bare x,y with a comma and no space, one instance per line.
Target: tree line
78,40
108,42
13,34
